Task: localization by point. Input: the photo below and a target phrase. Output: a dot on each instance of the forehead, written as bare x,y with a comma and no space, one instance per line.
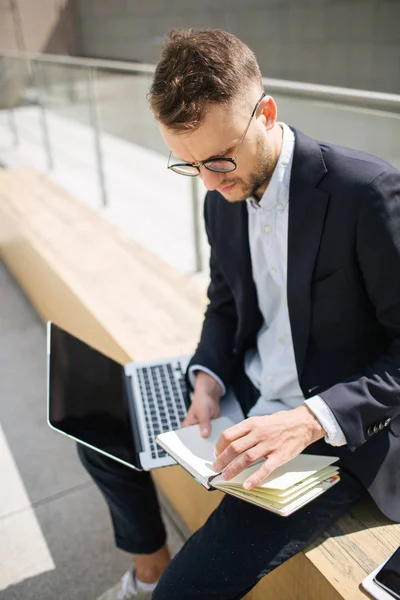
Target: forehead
220,131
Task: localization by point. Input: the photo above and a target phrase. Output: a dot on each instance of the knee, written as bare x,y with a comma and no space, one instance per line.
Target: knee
101,467
85,455
90,459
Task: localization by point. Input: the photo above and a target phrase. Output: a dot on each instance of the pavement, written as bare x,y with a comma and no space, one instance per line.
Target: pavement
56,541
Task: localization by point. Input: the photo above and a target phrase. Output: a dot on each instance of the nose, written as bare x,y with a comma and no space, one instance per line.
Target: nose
211,179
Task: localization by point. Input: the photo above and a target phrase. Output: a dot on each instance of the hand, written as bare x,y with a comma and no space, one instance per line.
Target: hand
205,403
278,438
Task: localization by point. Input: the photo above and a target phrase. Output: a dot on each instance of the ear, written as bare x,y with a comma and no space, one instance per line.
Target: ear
269,111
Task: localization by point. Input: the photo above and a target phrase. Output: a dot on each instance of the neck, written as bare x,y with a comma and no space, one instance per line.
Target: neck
275,139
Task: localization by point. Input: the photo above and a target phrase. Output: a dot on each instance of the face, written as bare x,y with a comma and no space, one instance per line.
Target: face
220,135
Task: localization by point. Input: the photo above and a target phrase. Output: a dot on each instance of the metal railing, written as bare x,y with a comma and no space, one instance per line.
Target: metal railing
355,97
28,71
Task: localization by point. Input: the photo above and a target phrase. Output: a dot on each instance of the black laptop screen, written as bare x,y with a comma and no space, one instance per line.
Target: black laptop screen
88,397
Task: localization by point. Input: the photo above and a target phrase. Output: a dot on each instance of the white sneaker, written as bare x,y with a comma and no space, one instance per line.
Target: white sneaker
128,587
126,590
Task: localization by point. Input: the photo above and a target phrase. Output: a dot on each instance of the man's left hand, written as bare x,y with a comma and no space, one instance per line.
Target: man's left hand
278,438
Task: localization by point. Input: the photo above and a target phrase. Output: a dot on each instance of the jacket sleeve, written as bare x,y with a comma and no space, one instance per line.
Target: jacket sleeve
368,401
215,350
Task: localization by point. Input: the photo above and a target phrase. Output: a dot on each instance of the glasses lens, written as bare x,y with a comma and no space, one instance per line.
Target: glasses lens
184,170
222,165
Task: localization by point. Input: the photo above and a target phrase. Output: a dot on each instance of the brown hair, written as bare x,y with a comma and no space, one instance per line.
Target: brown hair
199,67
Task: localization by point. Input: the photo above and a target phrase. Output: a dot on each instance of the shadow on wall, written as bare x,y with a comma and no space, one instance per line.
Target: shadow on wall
64,37
55,32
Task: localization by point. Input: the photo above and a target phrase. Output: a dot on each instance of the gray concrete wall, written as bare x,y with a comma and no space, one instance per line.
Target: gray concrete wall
39,26
351,43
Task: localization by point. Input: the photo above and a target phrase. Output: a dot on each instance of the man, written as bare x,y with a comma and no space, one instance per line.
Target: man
303,321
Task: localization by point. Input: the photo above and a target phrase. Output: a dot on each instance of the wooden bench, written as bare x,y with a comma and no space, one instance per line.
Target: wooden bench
81,272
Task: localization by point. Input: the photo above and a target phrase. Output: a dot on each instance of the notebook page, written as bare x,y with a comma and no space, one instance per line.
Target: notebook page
298,487
287,475
287,510
281,499
197,452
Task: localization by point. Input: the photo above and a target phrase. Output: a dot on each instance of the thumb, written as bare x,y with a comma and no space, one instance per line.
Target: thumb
204,421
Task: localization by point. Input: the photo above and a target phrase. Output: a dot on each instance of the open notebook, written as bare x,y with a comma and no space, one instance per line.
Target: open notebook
287,489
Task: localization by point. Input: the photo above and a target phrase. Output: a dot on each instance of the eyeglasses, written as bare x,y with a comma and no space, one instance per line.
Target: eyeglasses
218,164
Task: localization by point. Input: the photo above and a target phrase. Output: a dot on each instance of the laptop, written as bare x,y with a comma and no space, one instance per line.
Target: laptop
114,409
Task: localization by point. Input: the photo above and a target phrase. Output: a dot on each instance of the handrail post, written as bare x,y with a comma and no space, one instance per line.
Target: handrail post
196,226
95,122
9,102
70,78
36,72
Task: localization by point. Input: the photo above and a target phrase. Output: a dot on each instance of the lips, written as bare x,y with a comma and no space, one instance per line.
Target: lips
228,188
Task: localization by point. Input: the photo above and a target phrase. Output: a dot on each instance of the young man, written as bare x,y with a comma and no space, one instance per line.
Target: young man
303,321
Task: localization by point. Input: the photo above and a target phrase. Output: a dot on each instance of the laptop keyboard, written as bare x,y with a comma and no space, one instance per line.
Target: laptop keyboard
163,391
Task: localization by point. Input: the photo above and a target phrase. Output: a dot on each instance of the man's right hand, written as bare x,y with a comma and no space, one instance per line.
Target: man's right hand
205,403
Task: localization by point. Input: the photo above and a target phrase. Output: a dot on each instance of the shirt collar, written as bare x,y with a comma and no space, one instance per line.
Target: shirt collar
278,186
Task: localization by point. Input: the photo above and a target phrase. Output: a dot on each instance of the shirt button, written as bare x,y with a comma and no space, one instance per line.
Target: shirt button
273,270
268,378
281,340
279,207
267,228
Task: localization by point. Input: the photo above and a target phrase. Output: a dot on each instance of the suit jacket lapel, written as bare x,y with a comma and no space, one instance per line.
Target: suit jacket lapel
307,209
251,318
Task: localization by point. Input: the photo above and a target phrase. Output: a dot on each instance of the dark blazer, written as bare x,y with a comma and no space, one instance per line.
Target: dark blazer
343,288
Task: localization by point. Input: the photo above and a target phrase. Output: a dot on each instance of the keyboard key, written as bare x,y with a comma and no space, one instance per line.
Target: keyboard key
163,389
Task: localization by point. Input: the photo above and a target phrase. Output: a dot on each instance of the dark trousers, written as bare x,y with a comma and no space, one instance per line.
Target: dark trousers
237,546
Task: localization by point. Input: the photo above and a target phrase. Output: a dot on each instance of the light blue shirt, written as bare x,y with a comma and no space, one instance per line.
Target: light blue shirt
271,364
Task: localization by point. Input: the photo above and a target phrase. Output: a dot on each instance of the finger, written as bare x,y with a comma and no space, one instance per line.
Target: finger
230,435
205,423
235,449
190,419
272,462
244,461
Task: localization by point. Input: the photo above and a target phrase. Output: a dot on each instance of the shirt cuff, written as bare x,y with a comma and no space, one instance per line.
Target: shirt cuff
192,376
335,436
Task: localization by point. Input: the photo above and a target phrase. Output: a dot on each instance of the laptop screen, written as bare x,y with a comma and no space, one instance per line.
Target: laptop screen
88,397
